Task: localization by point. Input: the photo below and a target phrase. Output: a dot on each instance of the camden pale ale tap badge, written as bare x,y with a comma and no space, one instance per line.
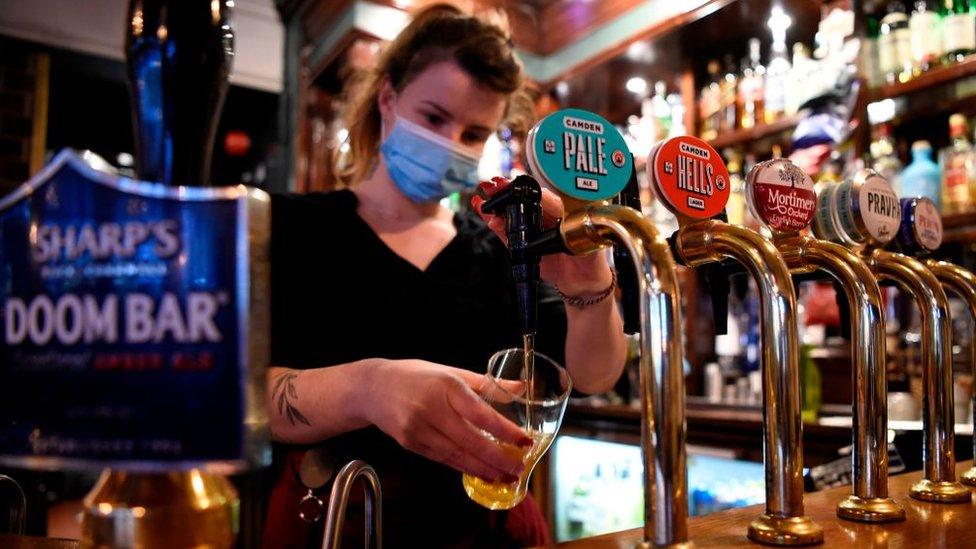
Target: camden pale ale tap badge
689,177
579,153
781,195
127,334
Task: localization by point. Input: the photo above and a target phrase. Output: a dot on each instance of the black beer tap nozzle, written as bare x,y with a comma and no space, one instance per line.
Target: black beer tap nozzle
520,203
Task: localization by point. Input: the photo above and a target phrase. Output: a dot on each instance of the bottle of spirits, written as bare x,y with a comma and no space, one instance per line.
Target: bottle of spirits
957,168
798,81
752,88
924,25
709,103
661,109
884,159
735,208
730,104
777,82
676,108
958,29
894,44
868,58
811,386
922,176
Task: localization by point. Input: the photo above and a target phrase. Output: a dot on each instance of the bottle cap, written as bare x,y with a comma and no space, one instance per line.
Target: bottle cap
921,146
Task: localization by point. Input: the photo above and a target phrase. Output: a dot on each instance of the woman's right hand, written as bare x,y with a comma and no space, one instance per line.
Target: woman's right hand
433,410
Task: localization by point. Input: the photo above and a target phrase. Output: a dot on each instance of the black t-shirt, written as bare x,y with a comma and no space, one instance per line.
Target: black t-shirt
340,294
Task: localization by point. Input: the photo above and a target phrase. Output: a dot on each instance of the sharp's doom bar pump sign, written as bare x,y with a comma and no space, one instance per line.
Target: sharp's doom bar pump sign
128,333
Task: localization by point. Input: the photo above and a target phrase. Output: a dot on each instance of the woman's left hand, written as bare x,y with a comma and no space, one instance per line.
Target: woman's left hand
573,275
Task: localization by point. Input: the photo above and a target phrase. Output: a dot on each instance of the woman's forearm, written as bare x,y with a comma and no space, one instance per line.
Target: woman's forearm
596,348
307,406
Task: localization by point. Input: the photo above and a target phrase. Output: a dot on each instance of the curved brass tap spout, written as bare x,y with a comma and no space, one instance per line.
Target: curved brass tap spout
340,497
661,375
962,282
870,501
938,451
706,241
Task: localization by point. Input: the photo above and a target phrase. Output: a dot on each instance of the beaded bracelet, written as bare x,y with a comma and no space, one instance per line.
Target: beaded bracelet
583,301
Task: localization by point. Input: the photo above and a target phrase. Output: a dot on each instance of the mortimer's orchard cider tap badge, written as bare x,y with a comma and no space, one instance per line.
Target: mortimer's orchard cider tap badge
781,195
579,153
129,337
689,177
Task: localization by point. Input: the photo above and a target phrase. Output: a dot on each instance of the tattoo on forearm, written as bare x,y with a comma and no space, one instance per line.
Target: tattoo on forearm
284,395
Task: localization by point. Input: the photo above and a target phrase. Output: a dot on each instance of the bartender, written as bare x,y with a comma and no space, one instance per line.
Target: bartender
386,305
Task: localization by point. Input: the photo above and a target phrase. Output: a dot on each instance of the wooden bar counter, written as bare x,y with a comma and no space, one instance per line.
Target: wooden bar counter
928,525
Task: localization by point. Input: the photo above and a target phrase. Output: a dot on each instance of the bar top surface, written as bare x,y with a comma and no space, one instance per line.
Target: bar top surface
927,524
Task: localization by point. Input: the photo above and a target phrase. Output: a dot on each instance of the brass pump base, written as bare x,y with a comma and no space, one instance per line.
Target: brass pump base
940,492
969,477
870,509
161,510
650,545
773,530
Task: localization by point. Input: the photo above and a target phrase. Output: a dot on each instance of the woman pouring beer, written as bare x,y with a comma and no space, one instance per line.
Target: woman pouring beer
386,305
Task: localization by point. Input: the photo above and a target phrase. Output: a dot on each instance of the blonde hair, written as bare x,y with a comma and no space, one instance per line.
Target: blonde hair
481,46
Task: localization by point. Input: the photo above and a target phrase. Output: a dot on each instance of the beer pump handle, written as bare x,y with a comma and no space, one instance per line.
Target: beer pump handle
521,205
626,272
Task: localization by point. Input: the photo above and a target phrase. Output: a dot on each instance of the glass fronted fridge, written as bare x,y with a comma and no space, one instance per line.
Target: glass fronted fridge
596,485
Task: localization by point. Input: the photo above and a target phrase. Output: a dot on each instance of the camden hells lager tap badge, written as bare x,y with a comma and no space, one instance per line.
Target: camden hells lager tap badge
689,176
579,153
129,338
781,195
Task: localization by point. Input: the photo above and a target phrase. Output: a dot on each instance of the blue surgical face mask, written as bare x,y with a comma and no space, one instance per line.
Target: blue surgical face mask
426,166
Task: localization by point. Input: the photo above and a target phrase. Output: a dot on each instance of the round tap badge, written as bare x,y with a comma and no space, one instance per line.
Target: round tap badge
880,210
781,195
689,177
824,225
921,226
580,154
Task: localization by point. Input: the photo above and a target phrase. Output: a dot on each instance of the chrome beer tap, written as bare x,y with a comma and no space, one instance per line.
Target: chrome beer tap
339,498
690,178
583,158
864,213
921,233
781,196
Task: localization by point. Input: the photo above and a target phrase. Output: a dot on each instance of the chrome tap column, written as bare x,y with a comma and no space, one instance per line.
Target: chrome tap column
921,232
781,196
865,214
339,499
691,179
583,158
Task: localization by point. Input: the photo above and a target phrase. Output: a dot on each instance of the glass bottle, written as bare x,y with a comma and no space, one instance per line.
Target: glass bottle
885,160
752,88
958,29
894,44
709,103
957,168
924,25
922,177
730,106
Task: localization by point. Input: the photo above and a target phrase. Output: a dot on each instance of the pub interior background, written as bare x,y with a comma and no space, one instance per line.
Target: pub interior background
654,68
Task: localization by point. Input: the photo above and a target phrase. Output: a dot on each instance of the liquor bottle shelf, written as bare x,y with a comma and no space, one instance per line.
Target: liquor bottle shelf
960,227
760,131
927,80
